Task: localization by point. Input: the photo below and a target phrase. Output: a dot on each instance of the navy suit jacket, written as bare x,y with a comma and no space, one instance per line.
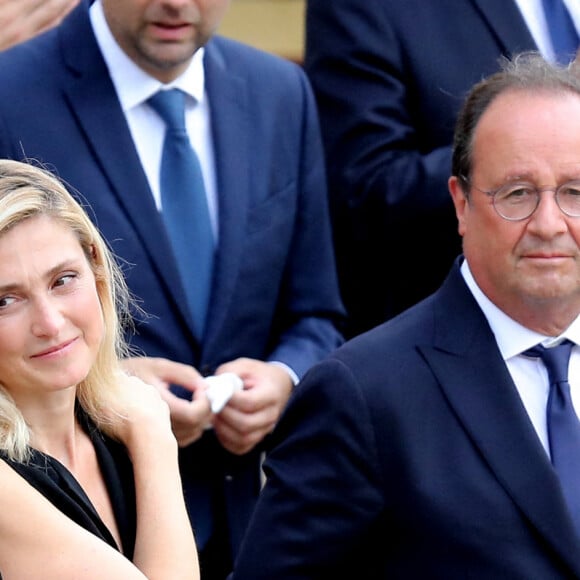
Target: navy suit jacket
274,292
389,77
408,454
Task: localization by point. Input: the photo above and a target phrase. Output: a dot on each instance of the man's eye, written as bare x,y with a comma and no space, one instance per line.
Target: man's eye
521,192
572,191
517,193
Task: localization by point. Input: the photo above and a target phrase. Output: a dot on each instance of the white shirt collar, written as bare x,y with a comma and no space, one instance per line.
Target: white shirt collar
512,338
134,86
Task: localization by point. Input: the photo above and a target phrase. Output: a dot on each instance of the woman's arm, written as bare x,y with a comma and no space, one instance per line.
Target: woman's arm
39,541
165,546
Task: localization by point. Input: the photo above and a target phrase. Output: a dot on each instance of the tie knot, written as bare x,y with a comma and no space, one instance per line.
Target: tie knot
170,105
556,359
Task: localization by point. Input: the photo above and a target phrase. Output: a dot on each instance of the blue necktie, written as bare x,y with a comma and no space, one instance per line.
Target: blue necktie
563,424
184,206
562,30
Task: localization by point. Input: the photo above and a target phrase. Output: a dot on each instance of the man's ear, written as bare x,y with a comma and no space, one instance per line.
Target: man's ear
460,202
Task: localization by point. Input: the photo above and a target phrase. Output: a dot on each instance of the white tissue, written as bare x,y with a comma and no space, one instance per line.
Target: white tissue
220,388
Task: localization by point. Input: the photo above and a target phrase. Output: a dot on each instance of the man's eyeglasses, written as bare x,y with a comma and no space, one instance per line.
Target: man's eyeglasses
519,200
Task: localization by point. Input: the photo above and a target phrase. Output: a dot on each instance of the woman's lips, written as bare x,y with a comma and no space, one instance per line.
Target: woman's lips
54,350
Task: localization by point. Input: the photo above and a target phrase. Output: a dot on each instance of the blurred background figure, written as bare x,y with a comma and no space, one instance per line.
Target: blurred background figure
23,19
389,77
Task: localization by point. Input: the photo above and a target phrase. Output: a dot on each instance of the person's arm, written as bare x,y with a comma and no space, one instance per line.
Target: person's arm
39,541
309,311
376,144
387,115
323,493
23,19
164,546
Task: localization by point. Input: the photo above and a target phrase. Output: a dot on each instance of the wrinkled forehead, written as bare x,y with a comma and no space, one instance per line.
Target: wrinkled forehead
525,131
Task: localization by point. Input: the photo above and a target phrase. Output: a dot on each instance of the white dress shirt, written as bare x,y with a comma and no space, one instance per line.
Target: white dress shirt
529,374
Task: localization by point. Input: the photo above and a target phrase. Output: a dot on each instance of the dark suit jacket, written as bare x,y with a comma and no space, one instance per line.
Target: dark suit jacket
408,454
274,293
389,77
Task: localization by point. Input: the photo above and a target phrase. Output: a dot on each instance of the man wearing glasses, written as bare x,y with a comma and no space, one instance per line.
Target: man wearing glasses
445,443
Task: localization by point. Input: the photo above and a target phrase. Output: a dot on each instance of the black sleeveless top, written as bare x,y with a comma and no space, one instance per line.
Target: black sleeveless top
54,481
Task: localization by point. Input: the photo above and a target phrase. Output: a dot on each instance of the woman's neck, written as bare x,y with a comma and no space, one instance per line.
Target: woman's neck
53,425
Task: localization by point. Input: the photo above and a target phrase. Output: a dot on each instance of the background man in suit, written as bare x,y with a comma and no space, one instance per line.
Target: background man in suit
421,449
77,100
389,77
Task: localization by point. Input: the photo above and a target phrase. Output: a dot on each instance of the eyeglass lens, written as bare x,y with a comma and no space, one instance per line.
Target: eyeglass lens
518,201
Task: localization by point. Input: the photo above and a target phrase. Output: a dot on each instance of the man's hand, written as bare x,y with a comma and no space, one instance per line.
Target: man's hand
23,19
188,418
252,413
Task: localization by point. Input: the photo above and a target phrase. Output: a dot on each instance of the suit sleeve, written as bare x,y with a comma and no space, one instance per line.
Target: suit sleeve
315,516
387,167
375,150
310,310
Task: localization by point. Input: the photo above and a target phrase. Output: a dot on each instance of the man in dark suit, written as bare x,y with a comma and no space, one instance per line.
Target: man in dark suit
422,448
76,100
389,77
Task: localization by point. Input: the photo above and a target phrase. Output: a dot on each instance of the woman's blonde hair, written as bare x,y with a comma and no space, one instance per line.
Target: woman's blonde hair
27,191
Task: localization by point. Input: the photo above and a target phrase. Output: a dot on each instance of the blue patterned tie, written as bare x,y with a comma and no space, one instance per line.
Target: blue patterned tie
563,424
562,30
184,206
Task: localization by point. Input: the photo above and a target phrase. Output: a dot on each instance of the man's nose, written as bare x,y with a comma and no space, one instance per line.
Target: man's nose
548,220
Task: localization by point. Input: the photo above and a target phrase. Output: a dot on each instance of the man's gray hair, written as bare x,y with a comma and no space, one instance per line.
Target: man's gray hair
526,72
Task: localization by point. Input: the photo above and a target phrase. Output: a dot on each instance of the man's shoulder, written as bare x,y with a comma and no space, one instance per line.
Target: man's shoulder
243,51
400,335
246,60
448,312
29,60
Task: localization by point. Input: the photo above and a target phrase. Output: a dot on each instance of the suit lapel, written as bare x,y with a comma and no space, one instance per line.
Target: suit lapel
231,126
477,385
507,24
94,103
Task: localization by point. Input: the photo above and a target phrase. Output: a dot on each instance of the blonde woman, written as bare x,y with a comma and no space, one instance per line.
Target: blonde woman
73,427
